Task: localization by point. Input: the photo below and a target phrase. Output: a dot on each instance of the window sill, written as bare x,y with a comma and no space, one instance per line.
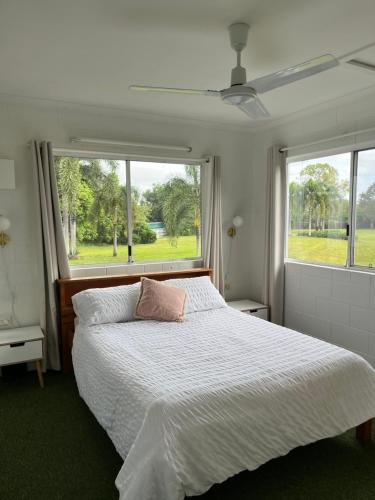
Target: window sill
334,267
135,268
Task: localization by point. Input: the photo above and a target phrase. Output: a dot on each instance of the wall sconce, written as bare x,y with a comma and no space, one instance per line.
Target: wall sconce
237,222
4,226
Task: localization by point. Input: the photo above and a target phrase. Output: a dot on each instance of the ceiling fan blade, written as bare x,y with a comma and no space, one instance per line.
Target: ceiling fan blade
348,55
293,74
255,109
361,64
145,88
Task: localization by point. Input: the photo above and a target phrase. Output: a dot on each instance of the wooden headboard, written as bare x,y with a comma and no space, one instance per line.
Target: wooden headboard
69,287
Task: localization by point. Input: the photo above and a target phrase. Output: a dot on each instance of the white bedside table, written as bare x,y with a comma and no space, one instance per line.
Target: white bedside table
21,345
250,307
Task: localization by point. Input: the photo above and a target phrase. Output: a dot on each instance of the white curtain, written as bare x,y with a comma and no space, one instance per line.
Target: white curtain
211,221
273,283
55,260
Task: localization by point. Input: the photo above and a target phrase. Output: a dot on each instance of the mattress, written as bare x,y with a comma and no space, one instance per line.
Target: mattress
190,404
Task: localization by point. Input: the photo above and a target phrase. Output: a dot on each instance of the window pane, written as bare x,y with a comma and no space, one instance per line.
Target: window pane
364,247
92,195
166,201
319,209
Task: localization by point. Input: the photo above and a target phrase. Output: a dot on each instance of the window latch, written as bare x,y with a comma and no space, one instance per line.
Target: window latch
347,230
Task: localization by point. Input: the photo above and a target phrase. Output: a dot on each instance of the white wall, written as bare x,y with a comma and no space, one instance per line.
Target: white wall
336,306
332,304
22,120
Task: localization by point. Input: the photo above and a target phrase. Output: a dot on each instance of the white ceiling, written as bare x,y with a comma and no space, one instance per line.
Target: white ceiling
90,51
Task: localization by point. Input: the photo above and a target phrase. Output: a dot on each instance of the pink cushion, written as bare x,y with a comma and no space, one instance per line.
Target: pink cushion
160,301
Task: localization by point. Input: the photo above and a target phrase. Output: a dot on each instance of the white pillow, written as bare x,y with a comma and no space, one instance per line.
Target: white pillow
201,294
106,305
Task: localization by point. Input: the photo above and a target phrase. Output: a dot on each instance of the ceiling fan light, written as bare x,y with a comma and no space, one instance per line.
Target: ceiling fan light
237,95
236,100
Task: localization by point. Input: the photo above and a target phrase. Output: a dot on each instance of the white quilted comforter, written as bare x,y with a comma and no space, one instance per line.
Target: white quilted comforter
190,404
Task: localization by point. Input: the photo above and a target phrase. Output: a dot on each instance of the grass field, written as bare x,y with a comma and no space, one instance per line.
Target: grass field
332,251
160,250
326,250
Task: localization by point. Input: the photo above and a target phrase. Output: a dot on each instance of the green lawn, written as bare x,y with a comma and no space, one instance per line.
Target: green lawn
160,250
326,250
331,251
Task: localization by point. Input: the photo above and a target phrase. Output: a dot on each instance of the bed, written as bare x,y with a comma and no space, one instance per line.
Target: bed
189,404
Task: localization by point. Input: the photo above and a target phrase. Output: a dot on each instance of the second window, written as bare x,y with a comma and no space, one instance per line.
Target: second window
331,209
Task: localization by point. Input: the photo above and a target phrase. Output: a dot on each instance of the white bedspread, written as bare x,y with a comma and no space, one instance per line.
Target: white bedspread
190,404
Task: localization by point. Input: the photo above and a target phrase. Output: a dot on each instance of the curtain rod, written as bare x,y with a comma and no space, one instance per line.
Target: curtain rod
321,141
124,156
108,142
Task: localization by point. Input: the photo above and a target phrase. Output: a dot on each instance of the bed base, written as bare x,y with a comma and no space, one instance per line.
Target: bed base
364,432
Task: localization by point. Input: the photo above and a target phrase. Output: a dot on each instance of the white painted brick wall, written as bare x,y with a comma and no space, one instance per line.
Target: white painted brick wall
335,305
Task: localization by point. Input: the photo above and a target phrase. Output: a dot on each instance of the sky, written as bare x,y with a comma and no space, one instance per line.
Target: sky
145,174
366,167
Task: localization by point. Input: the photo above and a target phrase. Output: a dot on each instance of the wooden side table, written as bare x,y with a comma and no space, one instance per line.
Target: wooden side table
22,345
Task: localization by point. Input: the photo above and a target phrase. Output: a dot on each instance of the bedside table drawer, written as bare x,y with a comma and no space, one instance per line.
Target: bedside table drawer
20,352
250,307
260,313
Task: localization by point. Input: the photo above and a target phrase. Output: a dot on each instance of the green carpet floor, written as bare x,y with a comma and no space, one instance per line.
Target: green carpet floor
51,448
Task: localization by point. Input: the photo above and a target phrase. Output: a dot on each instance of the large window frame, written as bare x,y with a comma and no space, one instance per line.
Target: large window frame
127,159
351,226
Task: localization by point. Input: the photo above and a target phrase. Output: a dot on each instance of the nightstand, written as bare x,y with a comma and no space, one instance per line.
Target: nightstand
250,307
21,345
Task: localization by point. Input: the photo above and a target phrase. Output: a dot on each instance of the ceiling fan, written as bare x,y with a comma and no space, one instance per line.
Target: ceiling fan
245,95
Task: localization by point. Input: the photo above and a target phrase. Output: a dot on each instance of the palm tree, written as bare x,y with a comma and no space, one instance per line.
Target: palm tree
324,194
295,202
193,173
92,173
109,198
69,181
181,204
311,198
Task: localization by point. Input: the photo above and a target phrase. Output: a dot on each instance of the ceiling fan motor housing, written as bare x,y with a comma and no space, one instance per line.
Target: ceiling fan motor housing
238,76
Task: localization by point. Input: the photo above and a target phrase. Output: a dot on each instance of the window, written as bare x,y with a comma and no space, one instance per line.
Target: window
331,209
364,230
117,211
319,209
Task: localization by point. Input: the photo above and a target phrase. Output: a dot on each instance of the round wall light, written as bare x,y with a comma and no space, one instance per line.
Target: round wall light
237,222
